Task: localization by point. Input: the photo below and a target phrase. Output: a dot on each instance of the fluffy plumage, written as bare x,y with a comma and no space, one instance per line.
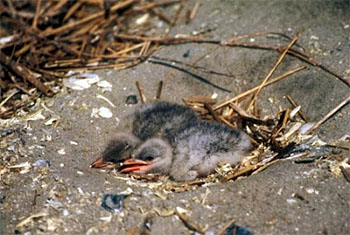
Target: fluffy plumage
157,119
194,152
161,119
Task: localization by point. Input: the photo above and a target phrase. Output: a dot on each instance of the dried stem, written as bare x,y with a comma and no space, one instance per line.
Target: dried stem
159,90
301,113
140,89
278,62
328,115
246,93
226,226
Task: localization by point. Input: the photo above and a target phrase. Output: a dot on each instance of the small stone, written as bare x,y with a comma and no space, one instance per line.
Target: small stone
131,99
113,202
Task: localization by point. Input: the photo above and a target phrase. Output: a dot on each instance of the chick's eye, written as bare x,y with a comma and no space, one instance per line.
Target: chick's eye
148,158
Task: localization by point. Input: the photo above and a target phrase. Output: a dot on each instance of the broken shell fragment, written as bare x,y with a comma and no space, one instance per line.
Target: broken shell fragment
105,112
113,202
81,81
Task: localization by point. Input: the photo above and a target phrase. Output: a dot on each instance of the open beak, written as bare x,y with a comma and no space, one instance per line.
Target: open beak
135,166
99,163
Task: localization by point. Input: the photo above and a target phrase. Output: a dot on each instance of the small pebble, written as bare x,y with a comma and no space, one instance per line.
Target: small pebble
113,202
131,99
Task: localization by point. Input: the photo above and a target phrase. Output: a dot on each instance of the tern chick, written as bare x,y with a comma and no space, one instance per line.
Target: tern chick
158,119
194,152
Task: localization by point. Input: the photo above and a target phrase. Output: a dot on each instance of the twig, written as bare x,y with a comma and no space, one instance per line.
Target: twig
243,114
328,115
226,226
282,123
188,72
140,89
202,69
117,6
161,16
345,173
159,90
194,12
301,113
177,14
190,39
317,64
8,97
200,99
25,73
212,112
192,226
248,92
155,4
278,62
72,10
37,14
12,9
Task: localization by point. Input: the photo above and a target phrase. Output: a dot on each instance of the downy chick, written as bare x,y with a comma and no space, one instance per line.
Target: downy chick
194,152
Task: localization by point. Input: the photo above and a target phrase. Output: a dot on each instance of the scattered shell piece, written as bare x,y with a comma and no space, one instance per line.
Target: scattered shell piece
128,191
165,212
80,191
53,224
345,137
73,142
214,95
105,99
113,202
143,19
54,203
47,138
311,190
291,201
29,220
104,112
94,113
293,130
41,162
107,218
105,85
35,116
81,81
294,111
51,121
306,127
65,212
22,167
61,151
7,39
161,195
183,211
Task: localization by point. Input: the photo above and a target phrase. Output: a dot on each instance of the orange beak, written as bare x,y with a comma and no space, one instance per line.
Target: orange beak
135,166
99,163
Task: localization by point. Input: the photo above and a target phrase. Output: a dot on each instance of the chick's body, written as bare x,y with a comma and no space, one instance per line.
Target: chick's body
195,151
161,119
199,149
168,139
158,119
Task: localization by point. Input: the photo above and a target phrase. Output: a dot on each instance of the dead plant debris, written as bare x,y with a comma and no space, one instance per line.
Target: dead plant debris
41,41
